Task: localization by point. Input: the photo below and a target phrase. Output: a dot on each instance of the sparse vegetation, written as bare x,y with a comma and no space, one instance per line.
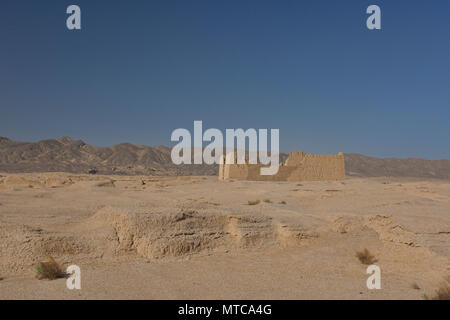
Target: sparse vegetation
253,202
49,270
443,293
415,286
110,183
267,201
42,195
283,202
365,257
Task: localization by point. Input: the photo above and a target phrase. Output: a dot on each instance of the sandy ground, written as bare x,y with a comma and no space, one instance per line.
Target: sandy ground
198,238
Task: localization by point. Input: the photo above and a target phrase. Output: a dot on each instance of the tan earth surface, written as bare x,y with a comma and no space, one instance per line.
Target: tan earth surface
199,238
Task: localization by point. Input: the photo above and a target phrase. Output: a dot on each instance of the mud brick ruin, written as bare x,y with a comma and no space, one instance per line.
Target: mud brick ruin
299,166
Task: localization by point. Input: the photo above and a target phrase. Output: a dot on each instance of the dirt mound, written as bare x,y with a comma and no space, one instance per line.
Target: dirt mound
150,233
22,246
390,230
385,226
155,235
52,180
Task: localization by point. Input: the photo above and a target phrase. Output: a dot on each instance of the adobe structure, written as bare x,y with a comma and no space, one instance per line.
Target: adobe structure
299,166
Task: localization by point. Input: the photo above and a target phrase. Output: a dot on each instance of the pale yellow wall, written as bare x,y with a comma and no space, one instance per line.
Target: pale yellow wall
299,166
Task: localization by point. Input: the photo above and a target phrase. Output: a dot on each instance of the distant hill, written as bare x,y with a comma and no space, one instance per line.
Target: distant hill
363,166
68,155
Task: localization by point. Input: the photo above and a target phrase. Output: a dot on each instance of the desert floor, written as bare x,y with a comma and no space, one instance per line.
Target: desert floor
199,238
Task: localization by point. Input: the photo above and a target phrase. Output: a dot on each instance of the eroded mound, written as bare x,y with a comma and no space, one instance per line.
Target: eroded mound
22,246
160,232
47,180
154,235
389,230
151,234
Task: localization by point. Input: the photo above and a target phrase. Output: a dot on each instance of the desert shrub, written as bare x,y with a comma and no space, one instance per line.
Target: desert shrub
253,202
49,270
110,183
415,286
443,293
365,257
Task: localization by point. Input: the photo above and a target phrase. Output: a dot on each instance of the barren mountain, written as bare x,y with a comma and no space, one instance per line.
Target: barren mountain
363,166
68,155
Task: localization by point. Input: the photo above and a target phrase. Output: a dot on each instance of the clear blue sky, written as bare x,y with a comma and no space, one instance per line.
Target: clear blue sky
139,69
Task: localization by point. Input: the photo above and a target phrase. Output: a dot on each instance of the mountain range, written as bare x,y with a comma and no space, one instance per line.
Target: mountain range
75,156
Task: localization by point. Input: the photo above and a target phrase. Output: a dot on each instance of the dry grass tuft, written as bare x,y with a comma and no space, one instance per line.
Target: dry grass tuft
42,195
253,202
110,184
365,257
267,201
49,270
443,293
415,286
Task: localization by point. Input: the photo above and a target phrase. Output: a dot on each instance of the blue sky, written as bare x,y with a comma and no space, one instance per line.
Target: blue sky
140,69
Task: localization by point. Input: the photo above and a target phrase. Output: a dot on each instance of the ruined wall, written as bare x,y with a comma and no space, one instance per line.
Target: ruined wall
299,166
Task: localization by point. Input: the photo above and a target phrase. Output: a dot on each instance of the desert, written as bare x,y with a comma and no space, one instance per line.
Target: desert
196,237
222,158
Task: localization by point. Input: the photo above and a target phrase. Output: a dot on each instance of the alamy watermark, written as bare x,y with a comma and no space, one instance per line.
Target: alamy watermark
74,277
214,151
374,281
73,22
